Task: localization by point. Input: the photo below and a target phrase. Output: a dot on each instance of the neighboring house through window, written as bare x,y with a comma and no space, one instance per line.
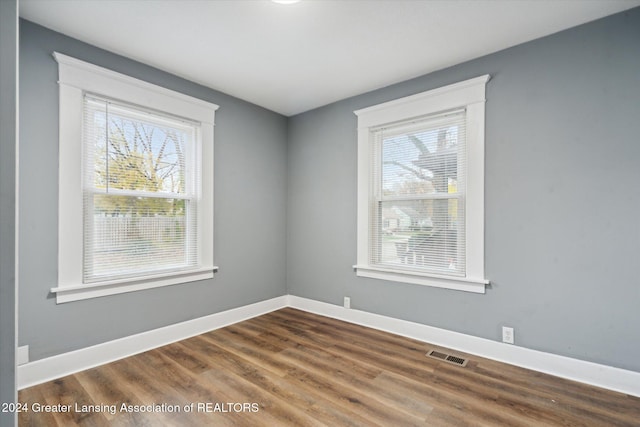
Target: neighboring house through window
421,188
136,184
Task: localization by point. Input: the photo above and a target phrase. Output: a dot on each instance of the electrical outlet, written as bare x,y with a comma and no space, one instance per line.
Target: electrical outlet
347,302
507,335
22,356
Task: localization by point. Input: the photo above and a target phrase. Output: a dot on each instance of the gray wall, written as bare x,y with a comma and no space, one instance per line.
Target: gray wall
562,169
250,210
8,153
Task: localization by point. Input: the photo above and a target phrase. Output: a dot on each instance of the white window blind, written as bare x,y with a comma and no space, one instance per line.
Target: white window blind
141,189
417,203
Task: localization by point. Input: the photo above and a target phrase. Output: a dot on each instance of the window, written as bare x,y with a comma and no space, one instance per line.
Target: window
421,188
141,190
135,184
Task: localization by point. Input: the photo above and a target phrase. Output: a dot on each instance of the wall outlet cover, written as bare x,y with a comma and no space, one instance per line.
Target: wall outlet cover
507,335
22,355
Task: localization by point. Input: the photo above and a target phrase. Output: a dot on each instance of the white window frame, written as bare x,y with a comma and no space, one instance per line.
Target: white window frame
76,78
470,95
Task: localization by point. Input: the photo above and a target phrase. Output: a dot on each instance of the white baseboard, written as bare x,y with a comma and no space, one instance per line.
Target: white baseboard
604,376
50,368
608,377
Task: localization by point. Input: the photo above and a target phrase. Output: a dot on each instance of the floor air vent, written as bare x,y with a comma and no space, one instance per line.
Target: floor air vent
455,360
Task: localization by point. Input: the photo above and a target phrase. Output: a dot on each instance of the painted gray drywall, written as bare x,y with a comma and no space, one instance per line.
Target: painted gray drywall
8,153
562,239
250,210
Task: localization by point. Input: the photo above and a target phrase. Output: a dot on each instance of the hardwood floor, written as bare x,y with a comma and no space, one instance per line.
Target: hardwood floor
294,368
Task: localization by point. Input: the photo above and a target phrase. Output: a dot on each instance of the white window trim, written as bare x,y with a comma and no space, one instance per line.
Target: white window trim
75,78
469,94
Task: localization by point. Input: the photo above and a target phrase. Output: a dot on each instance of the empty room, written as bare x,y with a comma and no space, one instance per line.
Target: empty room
319,212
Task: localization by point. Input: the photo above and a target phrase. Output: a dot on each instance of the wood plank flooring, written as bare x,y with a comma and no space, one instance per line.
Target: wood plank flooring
293,368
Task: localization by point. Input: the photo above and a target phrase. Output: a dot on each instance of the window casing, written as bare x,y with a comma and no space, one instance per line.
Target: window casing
135,184
421,188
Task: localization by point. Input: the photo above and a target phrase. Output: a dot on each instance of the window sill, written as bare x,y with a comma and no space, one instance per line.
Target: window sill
456,283
68,293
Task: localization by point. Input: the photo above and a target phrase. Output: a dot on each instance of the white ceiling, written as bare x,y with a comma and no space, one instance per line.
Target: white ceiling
298,57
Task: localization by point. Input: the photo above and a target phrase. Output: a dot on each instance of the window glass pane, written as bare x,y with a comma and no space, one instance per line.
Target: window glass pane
422,234
421,160
134,235
136,151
